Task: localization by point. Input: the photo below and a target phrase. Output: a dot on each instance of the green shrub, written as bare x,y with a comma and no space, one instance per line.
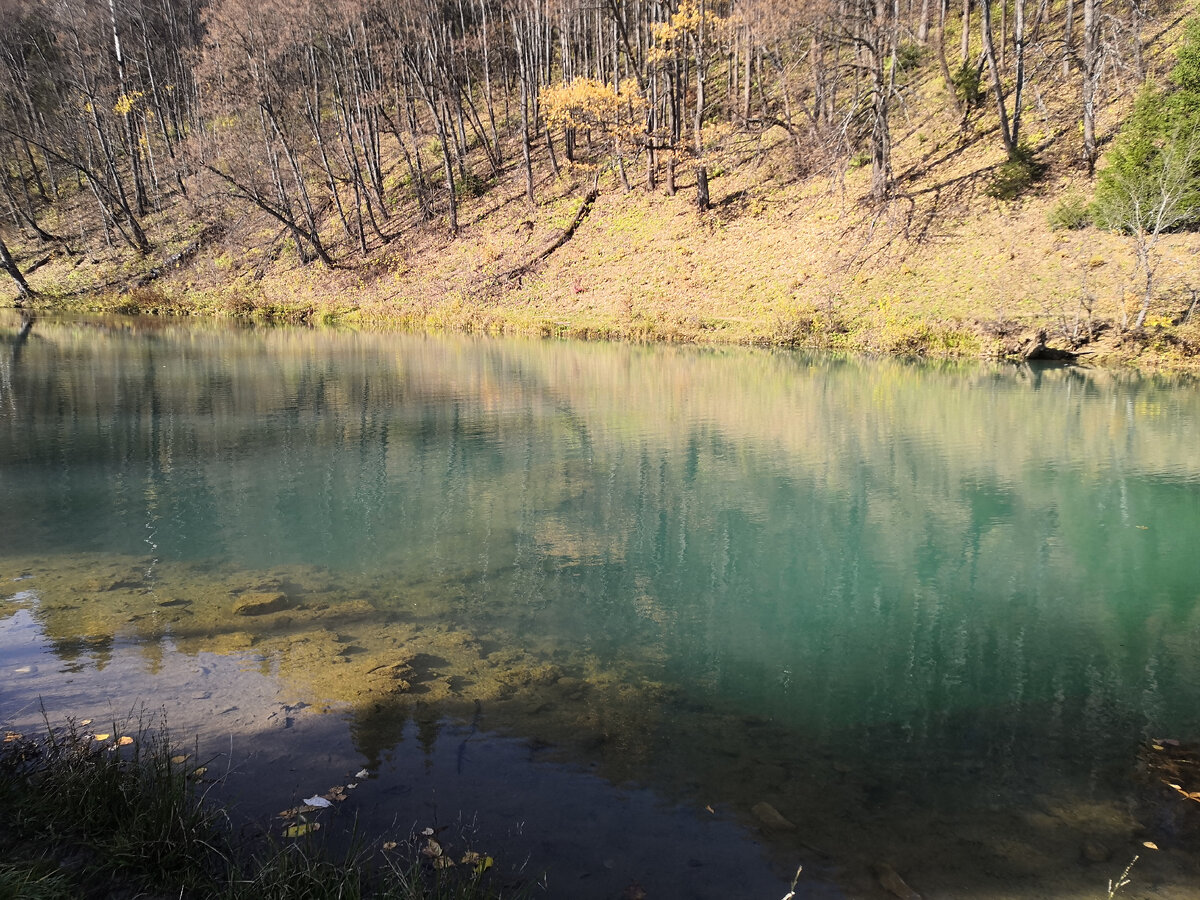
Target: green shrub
967,80
470,186
909,55
1015,175
1151,180
1071,213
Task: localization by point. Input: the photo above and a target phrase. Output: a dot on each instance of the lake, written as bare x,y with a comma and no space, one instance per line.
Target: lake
676,617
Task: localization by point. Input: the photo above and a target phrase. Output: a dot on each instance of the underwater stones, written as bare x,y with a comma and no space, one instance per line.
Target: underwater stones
530,676
260,603
890,880
394,677
1095,852
231,642
771,817
111,583
572,689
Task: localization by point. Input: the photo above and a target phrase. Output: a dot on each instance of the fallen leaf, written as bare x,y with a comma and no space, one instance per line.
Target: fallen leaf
10,736
432,849
179,760
102,737
317,802
389,845
1150,845
711,810
125,741
300,830
362,773
427,832
483,865
1158,746
85,723
442,862
196,773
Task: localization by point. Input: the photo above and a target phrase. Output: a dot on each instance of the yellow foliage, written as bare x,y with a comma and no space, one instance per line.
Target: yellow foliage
125,103
588,103
687,21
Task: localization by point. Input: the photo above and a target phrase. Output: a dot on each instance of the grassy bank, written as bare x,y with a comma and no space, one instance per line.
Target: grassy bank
959,262
106,814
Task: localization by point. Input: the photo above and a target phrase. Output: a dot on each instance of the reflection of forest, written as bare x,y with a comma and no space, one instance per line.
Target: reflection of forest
722,571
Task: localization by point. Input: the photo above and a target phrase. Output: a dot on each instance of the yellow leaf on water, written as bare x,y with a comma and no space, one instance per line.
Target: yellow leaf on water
1157,746
1150,845
85,723
179,760
443,862
125,741
301,830
196,773
102,737
479,861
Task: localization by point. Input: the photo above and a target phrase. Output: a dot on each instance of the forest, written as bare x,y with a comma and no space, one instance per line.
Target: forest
140,133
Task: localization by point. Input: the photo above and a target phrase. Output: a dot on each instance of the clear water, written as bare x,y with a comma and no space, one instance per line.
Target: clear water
931,613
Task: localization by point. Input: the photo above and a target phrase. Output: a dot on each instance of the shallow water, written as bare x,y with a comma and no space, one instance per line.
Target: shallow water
931,613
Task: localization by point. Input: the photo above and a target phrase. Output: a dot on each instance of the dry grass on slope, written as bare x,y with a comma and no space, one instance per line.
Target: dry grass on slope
790,253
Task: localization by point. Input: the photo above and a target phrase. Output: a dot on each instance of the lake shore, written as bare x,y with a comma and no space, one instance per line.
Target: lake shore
783,257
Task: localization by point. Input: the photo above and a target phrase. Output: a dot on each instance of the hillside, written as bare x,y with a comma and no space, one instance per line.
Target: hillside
796,246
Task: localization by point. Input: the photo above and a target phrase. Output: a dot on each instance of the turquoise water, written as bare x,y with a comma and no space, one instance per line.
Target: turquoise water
911,605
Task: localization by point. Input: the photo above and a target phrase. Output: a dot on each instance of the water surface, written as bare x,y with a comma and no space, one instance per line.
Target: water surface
933,614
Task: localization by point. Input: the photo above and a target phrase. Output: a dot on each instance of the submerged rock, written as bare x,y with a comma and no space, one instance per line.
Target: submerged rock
771,817
890,880
260,603
1095,852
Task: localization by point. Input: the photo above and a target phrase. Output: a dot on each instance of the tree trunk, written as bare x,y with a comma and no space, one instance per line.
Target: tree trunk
989,50
1091,80
10,266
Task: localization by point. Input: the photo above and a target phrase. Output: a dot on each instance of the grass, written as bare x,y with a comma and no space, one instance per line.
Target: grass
98,815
